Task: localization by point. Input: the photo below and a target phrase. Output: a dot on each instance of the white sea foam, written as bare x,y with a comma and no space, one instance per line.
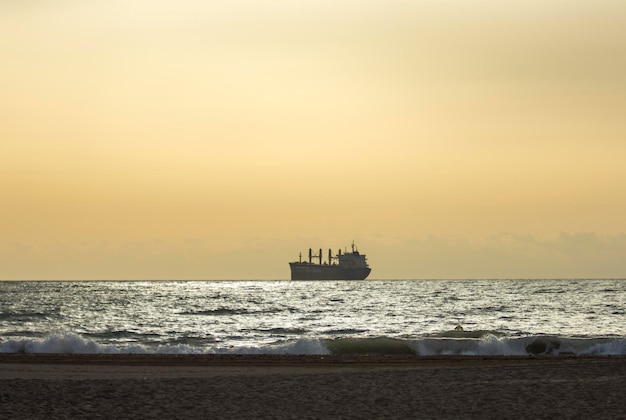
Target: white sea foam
303,346
607,348
57,343
487,346
75,344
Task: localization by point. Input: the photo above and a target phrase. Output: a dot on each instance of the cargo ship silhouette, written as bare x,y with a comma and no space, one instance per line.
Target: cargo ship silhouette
346,266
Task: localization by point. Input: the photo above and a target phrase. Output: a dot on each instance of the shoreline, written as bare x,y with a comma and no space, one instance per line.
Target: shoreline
91,366
287,359
168,358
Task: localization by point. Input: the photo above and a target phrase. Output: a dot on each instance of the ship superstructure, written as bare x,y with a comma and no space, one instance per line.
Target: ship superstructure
342,266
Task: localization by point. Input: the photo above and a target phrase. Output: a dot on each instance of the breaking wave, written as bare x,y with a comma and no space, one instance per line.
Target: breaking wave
486,345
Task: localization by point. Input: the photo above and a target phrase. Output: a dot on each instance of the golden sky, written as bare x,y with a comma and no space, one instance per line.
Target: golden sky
192,139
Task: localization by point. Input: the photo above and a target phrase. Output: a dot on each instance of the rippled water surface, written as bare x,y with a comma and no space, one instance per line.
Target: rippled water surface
497,316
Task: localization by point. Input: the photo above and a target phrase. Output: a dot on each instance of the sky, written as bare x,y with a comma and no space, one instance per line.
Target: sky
192,139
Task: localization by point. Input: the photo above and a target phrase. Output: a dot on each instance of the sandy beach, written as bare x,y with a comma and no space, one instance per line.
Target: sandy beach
238,386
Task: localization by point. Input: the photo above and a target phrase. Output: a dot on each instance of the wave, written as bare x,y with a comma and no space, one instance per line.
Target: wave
343,331
468,334
25,316
290,331
120,335
231,311
486,345
219,311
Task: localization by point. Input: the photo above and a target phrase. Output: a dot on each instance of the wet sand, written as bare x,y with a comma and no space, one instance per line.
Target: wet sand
39,386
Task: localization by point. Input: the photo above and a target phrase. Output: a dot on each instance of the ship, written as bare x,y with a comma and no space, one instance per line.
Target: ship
346,266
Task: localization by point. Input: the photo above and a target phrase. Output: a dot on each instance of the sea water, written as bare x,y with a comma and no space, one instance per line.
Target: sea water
422,317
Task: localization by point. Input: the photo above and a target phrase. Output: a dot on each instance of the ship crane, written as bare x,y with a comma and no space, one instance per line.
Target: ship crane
311,256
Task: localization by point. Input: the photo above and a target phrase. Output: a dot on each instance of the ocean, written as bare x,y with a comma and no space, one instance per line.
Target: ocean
372,317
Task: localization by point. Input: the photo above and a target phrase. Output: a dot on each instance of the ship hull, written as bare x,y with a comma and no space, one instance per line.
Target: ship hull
303,271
